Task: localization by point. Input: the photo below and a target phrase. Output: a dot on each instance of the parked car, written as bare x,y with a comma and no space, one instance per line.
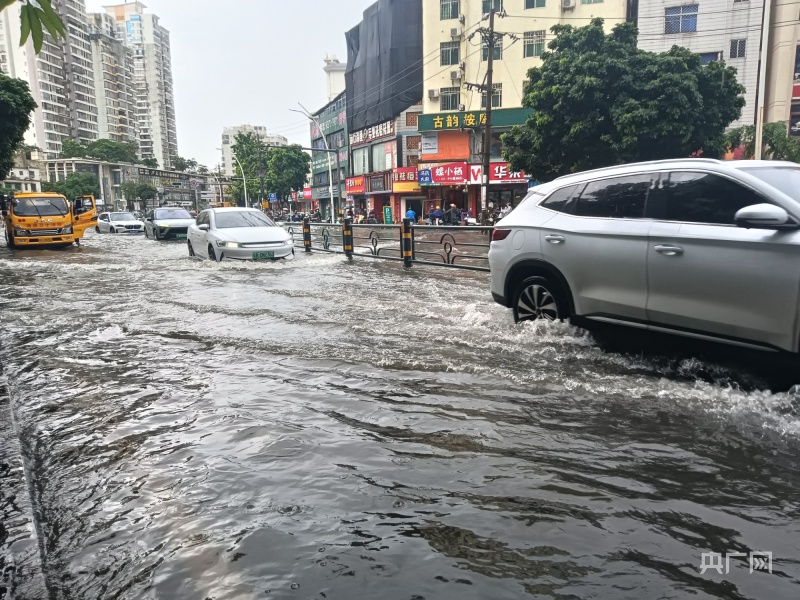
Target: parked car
118,222
695,247
167,223
238,233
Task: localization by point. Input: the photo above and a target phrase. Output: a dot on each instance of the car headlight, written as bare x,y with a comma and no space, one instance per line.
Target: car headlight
289,242
222,244
163,225
67,229
19,231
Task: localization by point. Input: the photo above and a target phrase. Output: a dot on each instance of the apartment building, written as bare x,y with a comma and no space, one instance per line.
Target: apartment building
113,81
229,139
727,30
782,89
149,42
455,60
60,77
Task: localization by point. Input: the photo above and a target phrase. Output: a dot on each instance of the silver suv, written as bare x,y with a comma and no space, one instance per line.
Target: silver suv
697,247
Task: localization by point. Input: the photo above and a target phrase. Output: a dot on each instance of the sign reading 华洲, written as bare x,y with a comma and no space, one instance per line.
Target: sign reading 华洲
499,172
355,185
370,134
404,179
387,215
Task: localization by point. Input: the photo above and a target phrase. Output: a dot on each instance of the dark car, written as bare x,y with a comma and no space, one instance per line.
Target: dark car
167,223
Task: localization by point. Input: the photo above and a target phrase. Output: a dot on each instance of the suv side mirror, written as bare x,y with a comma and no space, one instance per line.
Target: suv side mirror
763,216
204,227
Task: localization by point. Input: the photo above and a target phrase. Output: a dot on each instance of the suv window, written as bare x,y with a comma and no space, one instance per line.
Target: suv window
617,197
202,218
706,198
559,199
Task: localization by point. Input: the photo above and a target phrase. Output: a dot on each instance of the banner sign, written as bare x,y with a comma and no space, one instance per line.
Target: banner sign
499,173
355,185
430,143
404,179
370,134
425,177
450,174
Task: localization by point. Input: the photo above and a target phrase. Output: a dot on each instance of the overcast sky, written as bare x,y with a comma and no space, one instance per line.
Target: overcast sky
248,61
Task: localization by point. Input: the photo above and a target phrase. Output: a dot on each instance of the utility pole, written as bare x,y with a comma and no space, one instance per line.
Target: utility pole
487,133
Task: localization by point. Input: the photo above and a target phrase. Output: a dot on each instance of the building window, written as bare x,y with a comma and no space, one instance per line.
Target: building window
413,142
534,3
680,19
738,48
534,43
497,96
498,50
449,9
449,53
412,161
449,98
487,5
412,119
707,57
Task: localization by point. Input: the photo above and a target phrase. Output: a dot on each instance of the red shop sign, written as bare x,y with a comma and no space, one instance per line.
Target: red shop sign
499,172
450,174
355,185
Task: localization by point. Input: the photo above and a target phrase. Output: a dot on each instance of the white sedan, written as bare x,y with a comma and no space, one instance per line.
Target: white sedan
238,233
118,222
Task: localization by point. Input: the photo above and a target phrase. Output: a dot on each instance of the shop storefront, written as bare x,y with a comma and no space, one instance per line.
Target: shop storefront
379,195
407,192
356,193
444,185
506,187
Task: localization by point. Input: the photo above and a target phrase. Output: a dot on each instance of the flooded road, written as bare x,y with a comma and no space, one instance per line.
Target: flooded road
317,429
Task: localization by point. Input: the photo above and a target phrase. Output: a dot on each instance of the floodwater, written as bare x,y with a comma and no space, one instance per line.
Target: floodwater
314,428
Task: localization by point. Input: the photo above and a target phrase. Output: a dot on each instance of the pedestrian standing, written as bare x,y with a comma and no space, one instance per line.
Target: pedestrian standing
410,214
436,216
455,215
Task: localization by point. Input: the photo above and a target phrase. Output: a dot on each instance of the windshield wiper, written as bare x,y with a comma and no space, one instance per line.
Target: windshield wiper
50,202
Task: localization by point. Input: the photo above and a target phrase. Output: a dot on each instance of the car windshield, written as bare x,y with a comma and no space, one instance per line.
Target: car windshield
228,220
172,213
122,217
40,207
784,179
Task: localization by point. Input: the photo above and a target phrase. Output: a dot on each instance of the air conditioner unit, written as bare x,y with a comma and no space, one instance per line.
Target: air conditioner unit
455,75
455,32
462,107
432,94
463,65
567,4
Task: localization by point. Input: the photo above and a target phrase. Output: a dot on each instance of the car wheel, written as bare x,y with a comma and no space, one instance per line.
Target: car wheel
113,230
97,228
211,254
539,298
191,250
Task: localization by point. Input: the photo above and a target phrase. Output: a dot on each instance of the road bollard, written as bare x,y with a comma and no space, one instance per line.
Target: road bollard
307,234
405,243
347,237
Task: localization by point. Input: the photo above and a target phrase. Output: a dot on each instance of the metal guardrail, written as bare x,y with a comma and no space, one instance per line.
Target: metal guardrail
455,247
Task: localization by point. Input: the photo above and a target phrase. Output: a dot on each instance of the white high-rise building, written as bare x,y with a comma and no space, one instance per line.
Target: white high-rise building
60,77
334,72
113,81
152,79
229,139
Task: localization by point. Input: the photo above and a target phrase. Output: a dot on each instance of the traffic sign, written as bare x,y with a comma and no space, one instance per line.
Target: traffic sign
273,197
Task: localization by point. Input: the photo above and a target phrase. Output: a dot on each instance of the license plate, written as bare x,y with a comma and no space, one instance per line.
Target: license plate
257,255
180,236
134,231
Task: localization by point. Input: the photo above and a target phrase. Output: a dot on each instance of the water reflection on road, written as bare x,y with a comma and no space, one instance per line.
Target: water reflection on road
318,429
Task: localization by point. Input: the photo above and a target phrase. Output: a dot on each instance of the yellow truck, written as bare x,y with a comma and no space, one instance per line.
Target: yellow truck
33,219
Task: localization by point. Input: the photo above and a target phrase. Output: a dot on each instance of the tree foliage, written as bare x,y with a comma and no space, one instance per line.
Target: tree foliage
184,164
102,149
35,18
75,184
282,168
16,106
136,190
776,143
150,162
598,100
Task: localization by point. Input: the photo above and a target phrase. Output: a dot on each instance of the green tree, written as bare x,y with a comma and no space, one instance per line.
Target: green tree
184,164
150,162
72,149
287,170
75,184
253,154
16,106
133,190
776,143
202,170
598,100
111,151
35,18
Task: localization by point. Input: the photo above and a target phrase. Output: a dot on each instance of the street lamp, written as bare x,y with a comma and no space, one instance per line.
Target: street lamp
327,149
244,177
